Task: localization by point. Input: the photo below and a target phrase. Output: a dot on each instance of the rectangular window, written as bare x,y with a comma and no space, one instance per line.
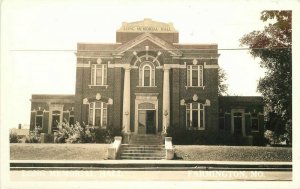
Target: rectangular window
195,76
221,121
39,119
254,122
55,120
99,74
98,114
71,118
195,117
188,119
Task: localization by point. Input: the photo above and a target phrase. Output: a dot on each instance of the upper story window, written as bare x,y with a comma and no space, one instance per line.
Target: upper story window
99,74
147,75
195,116
98,114
195,76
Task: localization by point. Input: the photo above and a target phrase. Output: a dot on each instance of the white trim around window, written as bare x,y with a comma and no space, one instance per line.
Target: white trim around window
98,75
147,66
200,116
198,76
39,116
98,110
252,121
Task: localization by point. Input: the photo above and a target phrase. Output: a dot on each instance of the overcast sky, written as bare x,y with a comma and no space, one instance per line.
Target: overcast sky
56,26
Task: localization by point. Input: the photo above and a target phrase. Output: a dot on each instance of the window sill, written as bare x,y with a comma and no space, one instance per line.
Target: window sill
186,87
90,86
195,129
147,86
255,131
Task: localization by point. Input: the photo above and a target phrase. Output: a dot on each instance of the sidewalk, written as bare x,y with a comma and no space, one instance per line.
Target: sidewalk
147,165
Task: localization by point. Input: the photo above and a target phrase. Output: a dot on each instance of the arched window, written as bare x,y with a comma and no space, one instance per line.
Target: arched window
147,74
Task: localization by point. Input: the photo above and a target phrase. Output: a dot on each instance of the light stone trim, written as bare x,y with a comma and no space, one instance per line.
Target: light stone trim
139,59
166,98
109,65
98,56
126,101
156,40
50,101
216,66
199,58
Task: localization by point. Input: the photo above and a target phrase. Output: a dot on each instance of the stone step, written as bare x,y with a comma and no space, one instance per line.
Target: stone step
143,154
142,151
142,158
144,145
145,141
142,148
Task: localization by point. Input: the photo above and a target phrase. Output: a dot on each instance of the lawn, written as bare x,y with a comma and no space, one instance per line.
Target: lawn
232,153
58,151
183,152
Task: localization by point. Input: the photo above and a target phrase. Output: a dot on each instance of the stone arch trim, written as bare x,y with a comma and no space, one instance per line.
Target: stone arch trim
141,59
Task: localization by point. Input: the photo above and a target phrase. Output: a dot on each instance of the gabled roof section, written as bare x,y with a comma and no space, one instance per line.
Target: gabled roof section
148,36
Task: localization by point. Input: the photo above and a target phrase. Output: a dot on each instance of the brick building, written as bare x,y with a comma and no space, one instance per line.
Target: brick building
147,82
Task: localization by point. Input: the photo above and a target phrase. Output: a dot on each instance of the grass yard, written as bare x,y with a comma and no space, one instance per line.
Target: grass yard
58,151
183,152
232,153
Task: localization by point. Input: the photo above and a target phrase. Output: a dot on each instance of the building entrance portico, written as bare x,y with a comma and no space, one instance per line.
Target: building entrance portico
146,113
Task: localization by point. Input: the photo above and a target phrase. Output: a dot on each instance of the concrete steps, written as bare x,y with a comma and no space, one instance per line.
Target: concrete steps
146,140
143,147
142,152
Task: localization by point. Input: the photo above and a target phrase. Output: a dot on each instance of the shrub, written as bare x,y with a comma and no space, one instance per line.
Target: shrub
13,137
180,135
34,136
81,134
103,136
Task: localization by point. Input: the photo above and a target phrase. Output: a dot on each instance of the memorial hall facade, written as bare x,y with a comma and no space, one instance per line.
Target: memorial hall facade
146,83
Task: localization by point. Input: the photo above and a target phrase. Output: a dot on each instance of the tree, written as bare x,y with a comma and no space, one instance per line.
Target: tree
273,45
222,87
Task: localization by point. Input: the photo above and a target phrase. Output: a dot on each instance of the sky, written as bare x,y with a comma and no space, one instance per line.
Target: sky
38,41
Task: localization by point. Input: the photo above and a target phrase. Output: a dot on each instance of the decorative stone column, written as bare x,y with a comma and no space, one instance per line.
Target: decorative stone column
166,99
126,101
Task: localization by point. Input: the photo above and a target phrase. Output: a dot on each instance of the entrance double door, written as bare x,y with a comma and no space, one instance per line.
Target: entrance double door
147,122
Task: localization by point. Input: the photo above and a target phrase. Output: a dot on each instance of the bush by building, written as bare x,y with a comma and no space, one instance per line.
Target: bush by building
77,133
13,137
34,136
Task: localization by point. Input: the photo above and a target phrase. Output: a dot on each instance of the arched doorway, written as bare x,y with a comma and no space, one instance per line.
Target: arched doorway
146,113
